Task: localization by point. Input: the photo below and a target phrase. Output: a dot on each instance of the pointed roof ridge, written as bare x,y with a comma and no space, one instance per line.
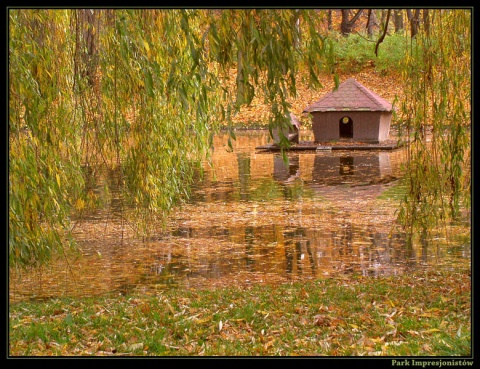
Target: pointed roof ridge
350,95
376,99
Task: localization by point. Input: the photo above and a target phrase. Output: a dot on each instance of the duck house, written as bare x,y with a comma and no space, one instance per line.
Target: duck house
351,112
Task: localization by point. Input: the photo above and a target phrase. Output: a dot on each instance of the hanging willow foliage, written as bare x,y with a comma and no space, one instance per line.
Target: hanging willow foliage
437,76
139,91
143,91
44,162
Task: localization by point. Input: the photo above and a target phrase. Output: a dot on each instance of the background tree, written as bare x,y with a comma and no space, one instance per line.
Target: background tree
371,22
398,20
346,26
414,20
329,19
426,20
89,24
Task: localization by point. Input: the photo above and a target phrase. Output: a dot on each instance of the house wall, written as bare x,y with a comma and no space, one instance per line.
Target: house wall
325,125
371,126
365,125
385,119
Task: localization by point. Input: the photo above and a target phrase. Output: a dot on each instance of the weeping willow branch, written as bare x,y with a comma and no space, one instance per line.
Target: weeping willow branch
437,81
147,89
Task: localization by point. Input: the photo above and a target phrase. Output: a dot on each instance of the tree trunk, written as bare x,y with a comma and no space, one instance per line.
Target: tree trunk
426,20
414,20
298,34
347,24
398,20
383,16
372,22
89,20
329,19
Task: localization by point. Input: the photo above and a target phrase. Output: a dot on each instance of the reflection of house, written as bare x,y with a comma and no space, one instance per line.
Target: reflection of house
333,169
283,172
351,112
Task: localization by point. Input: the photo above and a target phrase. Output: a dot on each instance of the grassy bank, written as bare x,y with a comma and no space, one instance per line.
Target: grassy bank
411,315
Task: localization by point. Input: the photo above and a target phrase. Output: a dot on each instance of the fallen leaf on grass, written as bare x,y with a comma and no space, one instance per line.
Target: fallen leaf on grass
322,320
426,347
432,330
136,346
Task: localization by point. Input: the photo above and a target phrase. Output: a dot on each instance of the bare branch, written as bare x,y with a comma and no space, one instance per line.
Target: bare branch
380,40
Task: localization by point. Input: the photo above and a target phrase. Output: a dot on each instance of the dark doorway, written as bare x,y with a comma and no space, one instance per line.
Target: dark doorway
346,127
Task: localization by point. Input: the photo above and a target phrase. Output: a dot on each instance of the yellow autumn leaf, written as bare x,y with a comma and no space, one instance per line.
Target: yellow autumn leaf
147,47
201,321
170,308
432,330
58,179
426,315
79,204
391,302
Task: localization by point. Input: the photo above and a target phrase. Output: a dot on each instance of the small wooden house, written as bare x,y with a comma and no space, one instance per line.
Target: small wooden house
351,112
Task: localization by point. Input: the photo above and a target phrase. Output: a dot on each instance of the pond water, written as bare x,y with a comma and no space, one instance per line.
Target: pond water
254,219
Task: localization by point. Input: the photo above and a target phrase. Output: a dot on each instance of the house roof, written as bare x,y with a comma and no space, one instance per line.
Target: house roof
350,96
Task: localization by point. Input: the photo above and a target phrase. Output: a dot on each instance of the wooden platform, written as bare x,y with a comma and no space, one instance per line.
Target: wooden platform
337,145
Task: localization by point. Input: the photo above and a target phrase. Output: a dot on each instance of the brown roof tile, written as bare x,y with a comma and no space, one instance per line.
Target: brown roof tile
352,96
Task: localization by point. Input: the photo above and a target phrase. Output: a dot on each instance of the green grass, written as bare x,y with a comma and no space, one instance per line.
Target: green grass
424,314
356,52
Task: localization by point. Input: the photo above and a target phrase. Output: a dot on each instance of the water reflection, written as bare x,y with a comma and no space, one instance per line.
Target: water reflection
252,218
286,172
359,168
244,175
294,251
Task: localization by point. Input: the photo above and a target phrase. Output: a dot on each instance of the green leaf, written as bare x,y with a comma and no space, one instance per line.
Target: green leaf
149,83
